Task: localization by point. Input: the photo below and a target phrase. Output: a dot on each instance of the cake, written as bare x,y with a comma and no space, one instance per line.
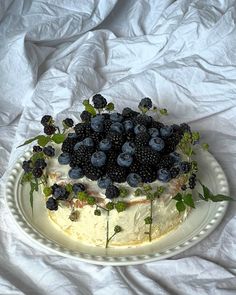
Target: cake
115,179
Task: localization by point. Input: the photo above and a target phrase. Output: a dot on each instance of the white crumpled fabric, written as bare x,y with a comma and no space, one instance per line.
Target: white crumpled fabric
54,54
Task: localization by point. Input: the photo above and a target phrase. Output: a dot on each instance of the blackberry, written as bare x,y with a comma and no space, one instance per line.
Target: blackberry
49,151
117,139
40,163
26,165
99,101
88,129
80,130
145,103
146,155
37,149
192,181
184,128
82,155
183,187
134,167
85,116
92,172
46,120
107,125
112,192
68,145
96,137
130,136
106,116
68,122
49,129
111,157
37,172
174,172
156,124
141,139
142,119
52,204
165,162
171,143
128,113
117,173
147,173
54,186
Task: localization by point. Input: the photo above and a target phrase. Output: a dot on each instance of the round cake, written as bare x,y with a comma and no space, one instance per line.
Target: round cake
115,178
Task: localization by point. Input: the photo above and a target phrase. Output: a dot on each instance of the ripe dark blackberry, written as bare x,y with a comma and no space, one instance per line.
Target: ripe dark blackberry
143,119
68,145
112,192
141,139
49,151
147,173
111,156
165,162
156,124
40,163
184,128
146,155
171,143
37,172
49,129
99,101
174,172
81,156
106,116
92,172
85,116
68,122
88,129
53,187
192,181
117,139
26,165
128,113
130,136
37,149
117,173
80,130
51,204
107,125
46,120
96,137
134,167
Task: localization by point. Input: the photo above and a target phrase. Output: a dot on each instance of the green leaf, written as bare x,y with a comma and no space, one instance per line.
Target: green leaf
180,206
43,140
85,102
27,177
29,141
207,193
178,197
188,200
58,138
220,198
110,106
89,108
202,197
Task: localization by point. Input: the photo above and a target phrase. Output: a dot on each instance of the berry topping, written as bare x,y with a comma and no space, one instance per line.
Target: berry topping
104,182
145,103
76,173
117,127
166,131
128,125
49,151
98,159
52,204
154,132
68,122
124,159
85,116
139,128
64,159
37,172
185,166
163,175
99,101
49,129
78,187
128,147
88,141
97,123
27,166
46,120
116,117
105,144
60,193
134,180
37,149
157,144
112,191
40,163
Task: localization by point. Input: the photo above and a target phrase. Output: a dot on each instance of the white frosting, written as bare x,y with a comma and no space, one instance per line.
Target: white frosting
92,229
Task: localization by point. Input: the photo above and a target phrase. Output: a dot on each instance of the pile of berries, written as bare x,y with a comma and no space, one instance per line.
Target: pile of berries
118,147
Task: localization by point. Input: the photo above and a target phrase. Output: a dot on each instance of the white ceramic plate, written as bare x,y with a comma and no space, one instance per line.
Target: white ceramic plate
199,224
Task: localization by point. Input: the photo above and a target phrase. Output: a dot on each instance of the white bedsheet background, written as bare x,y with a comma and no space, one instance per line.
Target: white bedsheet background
54,54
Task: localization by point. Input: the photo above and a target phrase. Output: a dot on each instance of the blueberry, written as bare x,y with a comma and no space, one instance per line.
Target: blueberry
98,159
129,125
157,144
128,147
78,187
97,123
71,135
166,131
154,132
133,179
145,103
88,142
105,144
76,173
117,127
51,204
116,117
124,159
185,166
163,175
104,182
175,157
64,159
60,193
139,128
77,145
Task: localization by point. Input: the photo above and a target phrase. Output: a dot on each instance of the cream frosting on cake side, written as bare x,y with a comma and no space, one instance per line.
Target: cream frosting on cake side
92,229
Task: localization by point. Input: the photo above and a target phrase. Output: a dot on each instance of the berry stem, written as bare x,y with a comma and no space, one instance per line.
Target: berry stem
108,240
150,225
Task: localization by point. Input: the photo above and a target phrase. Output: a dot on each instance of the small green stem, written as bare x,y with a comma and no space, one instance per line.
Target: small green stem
107,241
150,225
